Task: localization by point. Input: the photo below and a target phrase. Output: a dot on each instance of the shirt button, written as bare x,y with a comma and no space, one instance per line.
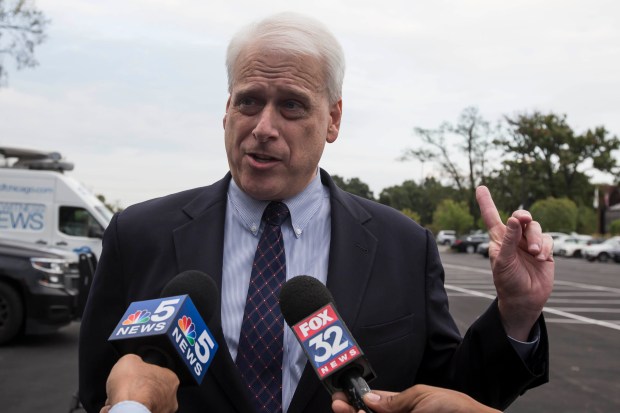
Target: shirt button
298,231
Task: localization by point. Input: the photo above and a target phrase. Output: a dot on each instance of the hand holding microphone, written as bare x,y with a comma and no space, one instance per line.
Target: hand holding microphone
153,386
416,399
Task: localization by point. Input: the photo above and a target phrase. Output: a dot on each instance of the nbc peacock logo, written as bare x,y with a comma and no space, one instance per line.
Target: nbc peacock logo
188,329
139,317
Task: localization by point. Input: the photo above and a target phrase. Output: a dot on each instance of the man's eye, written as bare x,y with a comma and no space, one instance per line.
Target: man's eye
292,109
292,105
248,106
246,102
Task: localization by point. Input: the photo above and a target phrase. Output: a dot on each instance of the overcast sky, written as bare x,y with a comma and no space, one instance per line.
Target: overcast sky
133,91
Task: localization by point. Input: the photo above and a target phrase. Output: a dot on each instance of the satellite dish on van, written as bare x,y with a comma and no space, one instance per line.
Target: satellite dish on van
35,159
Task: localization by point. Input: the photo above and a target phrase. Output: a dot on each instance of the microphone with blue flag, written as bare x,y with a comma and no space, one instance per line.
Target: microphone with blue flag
170,331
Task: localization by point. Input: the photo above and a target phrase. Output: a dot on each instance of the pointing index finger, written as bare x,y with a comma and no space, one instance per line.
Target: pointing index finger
488,211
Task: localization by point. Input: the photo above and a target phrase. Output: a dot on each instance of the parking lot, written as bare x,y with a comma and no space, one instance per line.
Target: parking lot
39,373
583,322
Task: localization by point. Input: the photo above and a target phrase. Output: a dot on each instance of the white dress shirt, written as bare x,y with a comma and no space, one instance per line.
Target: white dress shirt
306,244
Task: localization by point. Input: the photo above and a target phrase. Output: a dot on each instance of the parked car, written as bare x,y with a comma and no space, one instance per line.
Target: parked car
558,240
483,249
573,246
570,246
469,243
602,251
557,235
39,288
446,237
616,255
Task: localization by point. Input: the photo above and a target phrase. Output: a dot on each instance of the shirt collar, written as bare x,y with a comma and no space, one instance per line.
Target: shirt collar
302,206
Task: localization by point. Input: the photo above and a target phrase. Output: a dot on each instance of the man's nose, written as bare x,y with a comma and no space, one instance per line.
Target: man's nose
267,126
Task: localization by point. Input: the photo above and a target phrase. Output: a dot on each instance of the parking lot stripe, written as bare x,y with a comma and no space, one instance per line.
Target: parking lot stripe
558,311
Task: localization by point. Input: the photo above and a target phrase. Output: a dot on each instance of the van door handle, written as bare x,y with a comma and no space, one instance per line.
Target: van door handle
62,243
41,242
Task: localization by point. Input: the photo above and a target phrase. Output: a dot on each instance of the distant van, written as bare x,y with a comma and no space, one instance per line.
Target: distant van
41,205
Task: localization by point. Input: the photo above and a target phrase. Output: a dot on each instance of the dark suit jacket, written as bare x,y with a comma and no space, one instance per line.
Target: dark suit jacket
384,274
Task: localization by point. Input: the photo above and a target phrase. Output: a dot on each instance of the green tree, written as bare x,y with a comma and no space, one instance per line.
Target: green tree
422,198
22,27
453,215
411,214
586,220
614,227
556,214
354,186
551,159
473,136
404,196
506,187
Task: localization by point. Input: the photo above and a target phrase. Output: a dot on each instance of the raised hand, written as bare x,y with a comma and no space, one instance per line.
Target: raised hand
522,265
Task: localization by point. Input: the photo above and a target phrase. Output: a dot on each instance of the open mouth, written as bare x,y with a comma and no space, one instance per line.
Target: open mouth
260,158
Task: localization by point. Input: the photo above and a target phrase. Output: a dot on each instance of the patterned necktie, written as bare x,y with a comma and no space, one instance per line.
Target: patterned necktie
259,357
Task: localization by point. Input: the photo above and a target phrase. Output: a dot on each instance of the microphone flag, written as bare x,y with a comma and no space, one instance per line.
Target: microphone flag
329,345
168,325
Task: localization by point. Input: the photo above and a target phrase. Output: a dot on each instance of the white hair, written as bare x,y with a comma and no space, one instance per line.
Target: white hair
292,33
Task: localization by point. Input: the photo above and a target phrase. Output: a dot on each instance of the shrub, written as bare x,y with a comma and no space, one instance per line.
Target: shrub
453,215
556,214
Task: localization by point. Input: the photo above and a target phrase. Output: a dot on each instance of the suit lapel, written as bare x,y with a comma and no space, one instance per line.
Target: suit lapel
199,242
199,246
351,256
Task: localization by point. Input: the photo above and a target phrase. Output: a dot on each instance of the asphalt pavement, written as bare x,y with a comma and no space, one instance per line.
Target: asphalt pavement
583,323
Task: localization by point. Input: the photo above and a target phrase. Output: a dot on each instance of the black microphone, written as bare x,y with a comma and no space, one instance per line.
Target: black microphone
308,308
170,331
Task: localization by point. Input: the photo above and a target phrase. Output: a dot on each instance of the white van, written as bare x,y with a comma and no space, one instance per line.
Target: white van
40,204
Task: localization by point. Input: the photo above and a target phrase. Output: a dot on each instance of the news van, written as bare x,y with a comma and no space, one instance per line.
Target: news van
40,204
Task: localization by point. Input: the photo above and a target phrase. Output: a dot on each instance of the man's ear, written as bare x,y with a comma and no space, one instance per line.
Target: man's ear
335,115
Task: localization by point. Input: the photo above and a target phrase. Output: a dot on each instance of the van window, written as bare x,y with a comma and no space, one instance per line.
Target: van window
78,222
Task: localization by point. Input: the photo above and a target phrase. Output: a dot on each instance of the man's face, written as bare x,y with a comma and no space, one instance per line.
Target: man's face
277,121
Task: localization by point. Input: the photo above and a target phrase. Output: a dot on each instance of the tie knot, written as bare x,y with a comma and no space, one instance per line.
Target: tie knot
275,213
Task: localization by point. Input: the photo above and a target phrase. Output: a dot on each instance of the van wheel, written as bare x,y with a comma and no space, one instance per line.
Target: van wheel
603,257
11,313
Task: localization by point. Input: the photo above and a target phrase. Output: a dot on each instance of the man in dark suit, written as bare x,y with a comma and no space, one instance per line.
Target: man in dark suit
383,270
